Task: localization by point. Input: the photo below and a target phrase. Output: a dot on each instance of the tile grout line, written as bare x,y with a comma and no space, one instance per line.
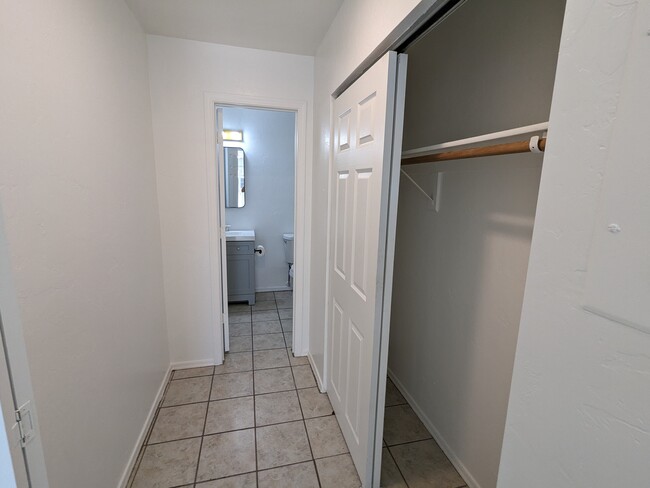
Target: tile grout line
257,472
241,396
304,424
397,466
412,442
270,469
243,428
205,422
277,311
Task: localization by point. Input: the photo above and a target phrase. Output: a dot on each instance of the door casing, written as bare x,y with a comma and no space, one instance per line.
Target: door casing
15,379
302,213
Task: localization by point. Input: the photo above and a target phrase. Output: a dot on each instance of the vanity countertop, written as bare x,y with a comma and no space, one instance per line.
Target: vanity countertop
240,235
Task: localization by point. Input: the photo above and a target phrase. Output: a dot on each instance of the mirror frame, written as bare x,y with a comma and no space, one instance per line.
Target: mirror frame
241,189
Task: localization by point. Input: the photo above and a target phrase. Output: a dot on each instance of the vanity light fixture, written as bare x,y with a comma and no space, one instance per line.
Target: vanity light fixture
233,135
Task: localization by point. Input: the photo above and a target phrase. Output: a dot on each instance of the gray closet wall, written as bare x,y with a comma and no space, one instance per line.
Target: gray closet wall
460,272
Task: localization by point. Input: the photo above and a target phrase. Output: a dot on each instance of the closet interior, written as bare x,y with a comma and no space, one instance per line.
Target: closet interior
478,98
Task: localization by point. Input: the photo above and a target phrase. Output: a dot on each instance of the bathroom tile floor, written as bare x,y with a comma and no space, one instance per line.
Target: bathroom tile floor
258,420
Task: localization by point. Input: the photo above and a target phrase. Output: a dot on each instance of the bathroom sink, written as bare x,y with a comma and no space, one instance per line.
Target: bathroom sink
240,235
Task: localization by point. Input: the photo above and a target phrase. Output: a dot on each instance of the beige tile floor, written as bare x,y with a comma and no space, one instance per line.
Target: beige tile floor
410,457
258,420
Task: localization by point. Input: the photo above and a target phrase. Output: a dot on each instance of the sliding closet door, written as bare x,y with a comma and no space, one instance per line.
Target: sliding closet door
367,144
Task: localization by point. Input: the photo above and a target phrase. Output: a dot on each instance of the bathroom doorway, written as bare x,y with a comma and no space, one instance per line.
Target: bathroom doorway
258,161
258,233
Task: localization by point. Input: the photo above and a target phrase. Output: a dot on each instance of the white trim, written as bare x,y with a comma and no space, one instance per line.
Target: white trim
455,460
326,328
220,171
319,380
199,363
399,100
13,468
145,430
272,288
16,355
214,226
302,213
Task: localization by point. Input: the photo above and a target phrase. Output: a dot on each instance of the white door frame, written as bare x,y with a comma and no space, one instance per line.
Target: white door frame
15,378
302,213
389,260
13,465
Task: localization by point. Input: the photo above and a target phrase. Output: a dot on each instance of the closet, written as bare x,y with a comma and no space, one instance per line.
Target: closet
464,230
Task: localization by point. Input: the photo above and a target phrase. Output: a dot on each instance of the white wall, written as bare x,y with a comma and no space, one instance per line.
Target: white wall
181,72
78,196
358,28
269,145
579,408
460,272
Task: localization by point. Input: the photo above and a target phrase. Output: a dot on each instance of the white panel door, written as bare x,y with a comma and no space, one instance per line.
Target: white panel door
364,122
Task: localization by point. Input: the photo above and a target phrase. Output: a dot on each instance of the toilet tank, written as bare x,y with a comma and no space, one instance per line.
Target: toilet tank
288,247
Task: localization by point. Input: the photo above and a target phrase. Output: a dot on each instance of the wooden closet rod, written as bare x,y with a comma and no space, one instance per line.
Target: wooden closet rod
476,152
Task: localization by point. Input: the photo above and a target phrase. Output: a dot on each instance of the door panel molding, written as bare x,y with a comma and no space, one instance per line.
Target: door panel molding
362,185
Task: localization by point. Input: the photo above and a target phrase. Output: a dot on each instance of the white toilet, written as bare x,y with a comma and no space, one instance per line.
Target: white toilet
288,254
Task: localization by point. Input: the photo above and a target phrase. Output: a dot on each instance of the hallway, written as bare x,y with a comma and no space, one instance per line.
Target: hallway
256,420
259,420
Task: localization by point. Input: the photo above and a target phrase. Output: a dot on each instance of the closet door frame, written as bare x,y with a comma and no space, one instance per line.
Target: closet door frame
389,261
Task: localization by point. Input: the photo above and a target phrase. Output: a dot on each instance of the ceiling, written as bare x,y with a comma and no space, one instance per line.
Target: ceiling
290,26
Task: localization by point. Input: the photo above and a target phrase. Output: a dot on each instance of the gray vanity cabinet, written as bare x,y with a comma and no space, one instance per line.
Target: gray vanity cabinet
241,271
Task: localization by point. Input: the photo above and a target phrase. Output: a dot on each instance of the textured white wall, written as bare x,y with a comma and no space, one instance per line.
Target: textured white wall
269,144
181,72
78,195
579,407
460,272
358,28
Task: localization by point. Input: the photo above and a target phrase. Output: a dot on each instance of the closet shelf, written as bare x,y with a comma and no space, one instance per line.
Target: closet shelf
535,144
492,136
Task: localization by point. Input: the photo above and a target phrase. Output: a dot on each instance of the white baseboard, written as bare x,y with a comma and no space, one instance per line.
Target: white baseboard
319,380
192,364
145,429
273,288
458,464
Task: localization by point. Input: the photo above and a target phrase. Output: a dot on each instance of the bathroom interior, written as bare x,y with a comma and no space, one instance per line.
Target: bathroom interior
259,177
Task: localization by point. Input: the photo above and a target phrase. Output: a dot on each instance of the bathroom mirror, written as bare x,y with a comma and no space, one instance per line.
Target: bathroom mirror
234,177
